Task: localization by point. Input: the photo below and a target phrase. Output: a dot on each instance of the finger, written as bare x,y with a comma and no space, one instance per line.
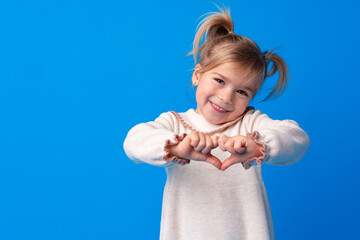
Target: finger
202,142
222,145
195,139
239,145
214,161
223,137
209,145
229,146
215,141
221,141
198,156
228,162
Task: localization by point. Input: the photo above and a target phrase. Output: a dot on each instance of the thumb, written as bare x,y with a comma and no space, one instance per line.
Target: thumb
228,162
214,161
199,156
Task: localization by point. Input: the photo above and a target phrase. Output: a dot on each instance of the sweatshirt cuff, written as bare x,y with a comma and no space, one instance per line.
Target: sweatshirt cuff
173,142
263,149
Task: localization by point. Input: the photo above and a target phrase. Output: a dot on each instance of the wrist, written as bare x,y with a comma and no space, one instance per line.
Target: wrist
171,150
259,150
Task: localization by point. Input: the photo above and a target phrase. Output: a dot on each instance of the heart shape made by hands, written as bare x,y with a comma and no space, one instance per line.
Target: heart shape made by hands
198,146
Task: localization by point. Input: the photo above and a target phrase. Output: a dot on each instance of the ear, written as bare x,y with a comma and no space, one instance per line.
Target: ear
196,75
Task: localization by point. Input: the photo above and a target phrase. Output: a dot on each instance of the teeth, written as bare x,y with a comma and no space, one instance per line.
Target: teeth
217,107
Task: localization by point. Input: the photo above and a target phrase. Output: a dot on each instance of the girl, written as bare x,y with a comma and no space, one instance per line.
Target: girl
201,200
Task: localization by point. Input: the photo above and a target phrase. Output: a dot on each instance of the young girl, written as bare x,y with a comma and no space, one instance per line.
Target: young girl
202,200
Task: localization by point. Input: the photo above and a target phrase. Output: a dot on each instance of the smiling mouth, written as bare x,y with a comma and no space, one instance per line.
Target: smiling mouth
217,108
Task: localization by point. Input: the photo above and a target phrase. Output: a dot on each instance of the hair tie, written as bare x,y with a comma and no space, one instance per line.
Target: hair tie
264,55
231,32
266,63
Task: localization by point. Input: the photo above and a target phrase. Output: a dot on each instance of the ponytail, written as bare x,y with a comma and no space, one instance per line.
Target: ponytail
216,25
280,66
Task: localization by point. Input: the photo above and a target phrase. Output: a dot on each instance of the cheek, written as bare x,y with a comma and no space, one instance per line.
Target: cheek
203,92
242,104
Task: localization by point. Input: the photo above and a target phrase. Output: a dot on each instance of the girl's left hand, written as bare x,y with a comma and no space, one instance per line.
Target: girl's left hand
241,148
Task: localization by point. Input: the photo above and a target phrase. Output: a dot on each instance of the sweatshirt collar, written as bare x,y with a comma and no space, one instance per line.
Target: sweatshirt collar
197,122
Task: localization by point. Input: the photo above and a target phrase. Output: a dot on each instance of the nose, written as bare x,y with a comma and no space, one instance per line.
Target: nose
225,96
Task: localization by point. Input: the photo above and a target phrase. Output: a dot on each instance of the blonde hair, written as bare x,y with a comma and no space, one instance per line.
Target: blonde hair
222,45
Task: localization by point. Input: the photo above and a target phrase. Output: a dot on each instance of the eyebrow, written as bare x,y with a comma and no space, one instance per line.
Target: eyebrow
246,88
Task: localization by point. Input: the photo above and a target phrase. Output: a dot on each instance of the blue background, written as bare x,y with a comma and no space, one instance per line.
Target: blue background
75,76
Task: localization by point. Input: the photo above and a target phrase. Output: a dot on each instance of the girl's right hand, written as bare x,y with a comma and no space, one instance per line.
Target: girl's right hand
197,146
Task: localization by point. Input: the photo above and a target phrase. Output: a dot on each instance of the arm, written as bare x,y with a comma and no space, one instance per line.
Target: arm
145,142
286,142
156,143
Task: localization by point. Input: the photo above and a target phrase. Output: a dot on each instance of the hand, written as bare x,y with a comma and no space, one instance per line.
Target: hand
242,148
197,146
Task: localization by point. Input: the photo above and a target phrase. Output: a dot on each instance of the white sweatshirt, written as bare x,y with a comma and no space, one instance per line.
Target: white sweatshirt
202,203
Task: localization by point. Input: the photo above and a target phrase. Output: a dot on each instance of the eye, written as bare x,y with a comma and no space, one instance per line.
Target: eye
242,92
219,80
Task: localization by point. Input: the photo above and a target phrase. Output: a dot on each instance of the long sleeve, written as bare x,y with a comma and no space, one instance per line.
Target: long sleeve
286,142
145,142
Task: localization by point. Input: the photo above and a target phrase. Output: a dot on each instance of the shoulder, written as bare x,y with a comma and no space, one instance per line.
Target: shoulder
258,118
169,116
180,115
173,116
253,114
